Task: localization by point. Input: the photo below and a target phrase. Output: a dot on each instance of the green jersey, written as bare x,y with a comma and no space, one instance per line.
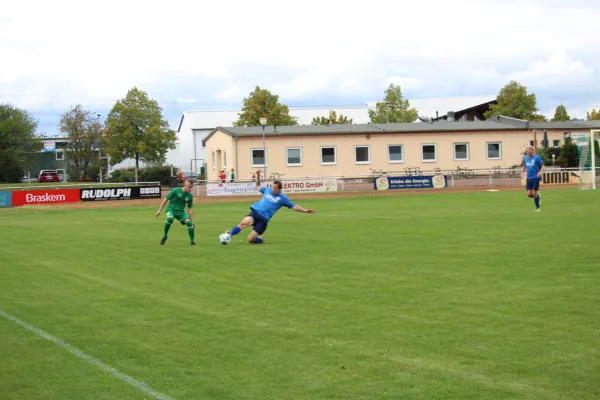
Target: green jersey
179,199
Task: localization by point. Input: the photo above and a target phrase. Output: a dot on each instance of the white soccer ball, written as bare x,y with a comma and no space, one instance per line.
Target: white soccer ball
224,238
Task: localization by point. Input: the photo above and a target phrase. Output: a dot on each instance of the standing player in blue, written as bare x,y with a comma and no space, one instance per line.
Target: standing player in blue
262,211
534,165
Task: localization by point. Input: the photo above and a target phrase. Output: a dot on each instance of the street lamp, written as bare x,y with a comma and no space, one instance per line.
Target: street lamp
263,122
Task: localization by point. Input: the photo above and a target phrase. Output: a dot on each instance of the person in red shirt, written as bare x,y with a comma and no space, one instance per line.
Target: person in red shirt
222,176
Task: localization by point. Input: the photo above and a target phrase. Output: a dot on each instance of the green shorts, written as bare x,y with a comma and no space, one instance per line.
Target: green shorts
180,216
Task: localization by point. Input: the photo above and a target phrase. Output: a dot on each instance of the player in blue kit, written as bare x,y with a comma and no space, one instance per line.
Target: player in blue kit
262,211
534,165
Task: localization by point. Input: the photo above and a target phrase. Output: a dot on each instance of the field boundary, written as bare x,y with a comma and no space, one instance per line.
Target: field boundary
139,385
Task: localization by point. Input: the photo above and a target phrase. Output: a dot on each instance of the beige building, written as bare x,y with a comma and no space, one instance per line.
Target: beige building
355,150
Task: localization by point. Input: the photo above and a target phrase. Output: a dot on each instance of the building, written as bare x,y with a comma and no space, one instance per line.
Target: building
358,150
195,126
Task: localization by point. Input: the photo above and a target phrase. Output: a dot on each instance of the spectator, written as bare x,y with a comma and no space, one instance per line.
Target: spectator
222,176
232,175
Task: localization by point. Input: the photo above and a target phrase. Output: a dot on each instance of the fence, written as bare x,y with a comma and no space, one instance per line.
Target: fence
409,178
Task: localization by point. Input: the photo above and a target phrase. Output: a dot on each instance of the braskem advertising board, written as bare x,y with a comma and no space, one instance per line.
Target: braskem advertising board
411,182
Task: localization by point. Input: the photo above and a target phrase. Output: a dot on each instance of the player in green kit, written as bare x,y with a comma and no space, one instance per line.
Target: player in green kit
178,198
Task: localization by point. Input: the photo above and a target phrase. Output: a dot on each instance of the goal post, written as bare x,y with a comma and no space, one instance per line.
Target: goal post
587,150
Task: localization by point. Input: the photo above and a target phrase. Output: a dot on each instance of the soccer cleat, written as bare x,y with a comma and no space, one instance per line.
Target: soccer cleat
163,240
228,232
193,244
538,210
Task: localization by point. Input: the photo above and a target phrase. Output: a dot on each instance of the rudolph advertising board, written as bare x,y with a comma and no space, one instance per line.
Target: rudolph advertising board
121,193
50,196
249,188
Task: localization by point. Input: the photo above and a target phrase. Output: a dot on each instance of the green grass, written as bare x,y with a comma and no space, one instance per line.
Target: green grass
450,296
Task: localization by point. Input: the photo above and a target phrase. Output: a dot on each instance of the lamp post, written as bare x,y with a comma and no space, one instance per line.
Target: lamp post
99,151
263,122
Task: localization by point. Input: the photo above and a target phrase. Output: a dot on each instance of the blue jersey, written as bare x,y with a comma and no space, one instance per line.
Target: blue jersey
270,204
533,165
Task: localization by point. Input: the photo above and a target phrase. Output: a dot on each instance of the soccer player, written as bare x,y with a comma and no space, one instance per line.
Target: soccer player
178,198
262,211
534,165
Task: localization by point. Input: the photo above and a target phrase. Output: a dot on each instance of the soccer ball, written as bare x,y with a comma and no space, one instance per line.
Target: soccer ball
224,238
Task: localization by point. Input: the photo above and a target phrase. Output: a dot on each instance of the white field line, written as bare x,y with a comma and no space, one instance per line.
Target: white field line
141,386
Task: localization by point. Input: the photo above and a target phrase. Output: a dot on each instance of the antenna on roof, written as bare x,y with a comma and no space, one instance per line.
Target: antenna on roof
426,120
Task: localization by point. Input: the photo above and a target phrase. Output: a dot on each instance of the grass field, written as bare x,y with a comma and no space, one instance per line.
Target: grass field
449,296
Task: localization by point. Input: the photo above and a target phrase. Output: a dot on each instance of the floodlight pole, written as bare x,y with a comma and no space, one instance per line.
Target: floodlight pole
263,122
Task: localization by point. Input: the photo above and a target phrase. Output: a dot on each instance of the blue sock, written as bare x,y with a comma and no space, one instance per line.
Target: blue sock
235,230
259,240
537,201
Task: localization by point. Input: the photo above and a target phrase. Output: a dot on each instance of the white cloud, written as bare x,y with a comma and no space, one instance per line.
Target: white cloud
182,100
68,51
229,93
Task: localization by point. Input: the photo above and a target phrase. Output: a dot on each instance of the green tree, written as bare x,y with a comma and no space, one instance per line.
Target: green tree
569,155
18,142
261,103
593,115
333,119
561,114
393,108
514,101
136,129
83,130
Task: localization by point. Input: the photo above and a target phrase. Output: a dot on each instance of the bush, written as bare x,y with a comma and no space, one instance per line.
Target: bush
151,174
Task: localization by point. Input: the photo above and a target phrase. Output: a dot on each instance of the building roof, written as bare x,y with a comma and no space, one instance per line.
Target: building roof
495,124
426,107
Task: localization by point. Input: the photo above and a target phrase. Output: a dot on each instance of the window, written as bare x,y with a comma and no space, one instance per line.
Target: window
60,155
556,143
224,160
531,143
293,157
494,151
395,153
362,154
328,156
258,157
428,152
214,161
461,151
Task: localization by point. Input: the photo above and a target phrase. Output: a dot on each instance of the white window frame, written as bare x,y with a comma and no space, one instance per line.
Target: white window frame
62,153
287,158
390,161
487,151
334,155
468,151
368,153
554,143
266,164
214,161
435,149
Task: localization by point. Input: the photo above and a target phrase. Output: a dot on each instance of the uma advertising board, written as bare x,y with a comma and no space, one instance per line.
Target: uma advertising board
249,188
121,193
411,182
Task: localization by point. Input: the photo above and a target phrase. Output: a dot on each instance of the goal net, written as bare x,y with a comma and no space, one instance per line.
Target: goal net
589,162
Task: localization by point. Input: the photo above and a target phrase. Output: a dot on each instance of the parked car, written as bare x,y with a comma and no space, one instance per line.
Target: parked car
49,176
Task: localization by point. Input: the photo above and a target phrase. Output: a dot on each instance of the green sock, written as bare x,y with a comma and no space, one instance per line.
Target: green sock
168,225
191,231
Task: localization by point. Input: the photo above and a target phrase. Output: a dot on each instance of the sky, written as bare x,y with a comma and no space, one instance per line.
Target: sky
191,55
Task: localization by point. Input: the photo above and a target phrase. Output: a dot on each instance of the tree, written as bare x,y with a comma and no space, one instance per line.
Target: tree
593,115
514,101
561,114
18,142
261,103
83,130
136,129
393,108
333,119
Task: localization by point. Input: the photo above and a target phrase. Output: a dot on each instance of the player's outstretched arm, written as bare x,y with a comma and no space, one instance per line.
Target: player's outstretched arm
162,205
303,210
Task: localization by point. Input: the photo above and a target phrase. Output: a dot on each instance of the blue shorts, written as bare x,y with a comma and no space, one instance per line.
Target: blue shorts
533,184
260,224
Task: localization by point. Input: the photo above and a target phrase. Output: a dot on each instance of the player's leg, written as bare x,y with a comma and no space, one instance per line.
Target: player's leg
168,223
536,195
246,222
260,226
191,229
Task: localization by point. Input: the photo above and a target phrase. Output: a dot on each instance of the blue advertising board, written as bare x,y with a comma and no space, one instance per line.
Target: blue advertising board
5,199
411,182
